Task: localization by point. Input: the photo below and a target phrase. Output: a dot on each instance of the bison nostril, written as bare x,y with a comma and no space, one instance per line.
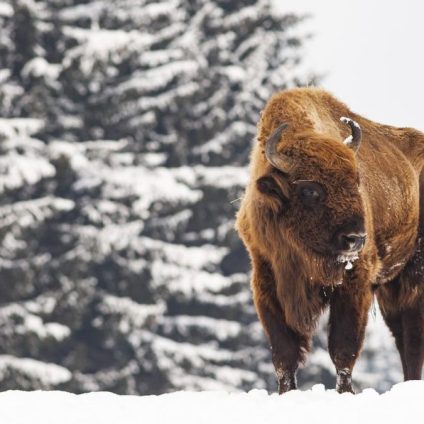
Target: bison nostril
351,240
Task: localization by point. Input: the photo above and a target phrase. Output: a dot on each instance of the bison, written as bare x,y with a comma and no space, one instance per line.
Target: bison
333,215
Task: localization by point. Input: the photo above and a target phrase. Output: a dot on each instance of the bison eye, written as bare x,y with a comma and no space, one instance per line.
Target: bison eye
309,192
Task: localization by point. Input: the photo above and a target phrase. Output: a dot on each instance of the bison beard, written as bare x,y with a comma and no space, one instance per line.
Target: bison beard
333,214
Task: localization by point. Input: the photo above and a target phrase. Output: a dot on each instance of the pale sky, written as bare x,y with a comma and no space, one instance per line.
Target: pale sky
372,52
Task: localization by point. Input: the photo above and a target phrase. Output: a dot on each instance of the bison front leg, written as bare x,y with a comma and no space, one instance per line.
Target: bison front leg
348,318
288,347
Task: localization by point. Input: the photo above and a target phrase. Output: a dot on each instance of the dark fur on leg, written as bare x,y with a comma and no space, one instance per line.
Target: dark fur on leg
348,319
288,346
413,327
403,311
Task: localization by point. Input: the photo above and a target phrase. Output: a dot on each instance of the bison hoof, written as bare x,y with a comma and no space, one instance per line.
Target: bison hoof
344,381
286,381
345,388
284,388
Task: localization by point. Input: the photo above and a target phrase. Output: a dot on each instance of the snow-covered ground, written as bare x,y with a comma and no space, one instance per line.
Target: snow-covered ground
402,404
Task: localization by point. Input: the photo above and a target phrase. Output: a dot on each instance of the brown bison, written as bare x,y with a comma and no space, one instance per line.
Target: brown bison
333,215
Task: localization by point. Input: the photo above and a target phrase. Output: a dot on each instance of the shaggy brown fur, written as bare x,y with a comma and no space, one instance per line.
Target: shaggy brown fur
295,276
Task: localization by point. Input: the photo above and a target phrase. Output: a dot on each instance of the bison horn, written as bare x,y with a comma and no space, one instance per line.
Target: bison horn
354,140
278,160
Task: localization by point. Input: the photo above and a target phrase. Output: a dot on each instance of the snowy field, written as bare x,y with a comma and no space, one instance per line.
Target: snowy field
402,404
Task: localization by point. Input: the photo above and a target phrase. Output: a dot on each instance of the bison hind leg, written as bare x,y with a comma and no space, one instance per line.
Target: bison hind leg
404,315
413,327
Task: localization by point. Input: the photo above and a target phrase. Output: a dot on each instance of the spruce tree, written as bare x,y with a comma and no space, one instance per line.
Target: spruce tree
24,34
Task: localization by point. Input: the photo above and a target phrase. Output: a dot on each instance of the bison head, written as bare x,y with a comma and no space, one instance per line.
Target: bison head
315,192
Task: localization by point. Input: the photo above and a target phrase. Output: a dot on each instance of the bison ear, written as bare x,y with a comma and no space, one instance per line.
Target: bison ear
275,190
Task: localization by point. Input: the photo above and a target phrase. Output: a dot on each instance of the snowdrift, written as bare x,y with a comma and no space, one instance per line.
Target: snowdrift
402,404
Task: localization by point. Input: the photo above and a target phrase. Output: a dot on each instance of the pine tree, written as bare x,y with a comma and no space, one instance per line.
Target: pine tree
24,34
